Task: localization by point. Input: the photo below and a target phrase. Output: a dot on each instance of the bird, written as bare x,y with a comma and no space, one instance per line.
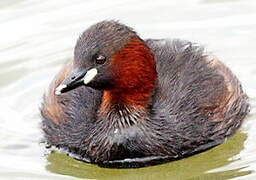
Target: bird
128,102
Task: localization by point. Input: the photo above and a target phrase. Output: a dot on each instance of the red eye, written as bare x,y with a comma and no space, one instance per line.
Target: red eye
99,59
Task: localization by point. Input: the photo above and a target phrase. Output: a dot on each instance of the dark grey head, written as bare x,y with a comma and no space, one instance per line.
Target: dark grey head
95,62
104,38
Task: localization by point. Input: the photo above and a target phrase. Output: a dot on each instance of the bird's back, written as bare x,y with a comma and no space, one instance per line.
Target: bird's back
198,100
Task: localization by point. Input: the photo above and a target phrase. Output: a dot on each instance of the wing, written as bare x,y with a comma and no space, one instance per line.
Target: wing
198,99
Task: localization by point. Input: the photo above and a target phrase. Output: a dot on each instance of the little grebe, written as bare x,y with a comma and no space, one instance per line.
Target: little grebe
128,102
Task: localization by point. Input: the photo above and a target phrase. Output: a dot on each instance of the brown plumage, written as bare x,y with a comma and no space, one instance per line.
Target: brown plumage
128,102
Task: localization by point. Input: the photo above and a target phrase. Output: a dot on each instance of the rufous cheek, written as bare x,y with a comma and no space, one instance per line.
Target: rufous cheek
134,75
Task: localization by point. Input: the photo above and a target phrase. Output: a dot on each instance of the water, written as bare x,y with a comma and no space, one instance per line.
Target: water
37,37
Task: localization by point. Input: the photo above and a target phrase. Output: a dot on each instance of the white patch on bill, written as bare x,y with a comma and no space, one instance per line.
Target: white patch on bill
90,75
